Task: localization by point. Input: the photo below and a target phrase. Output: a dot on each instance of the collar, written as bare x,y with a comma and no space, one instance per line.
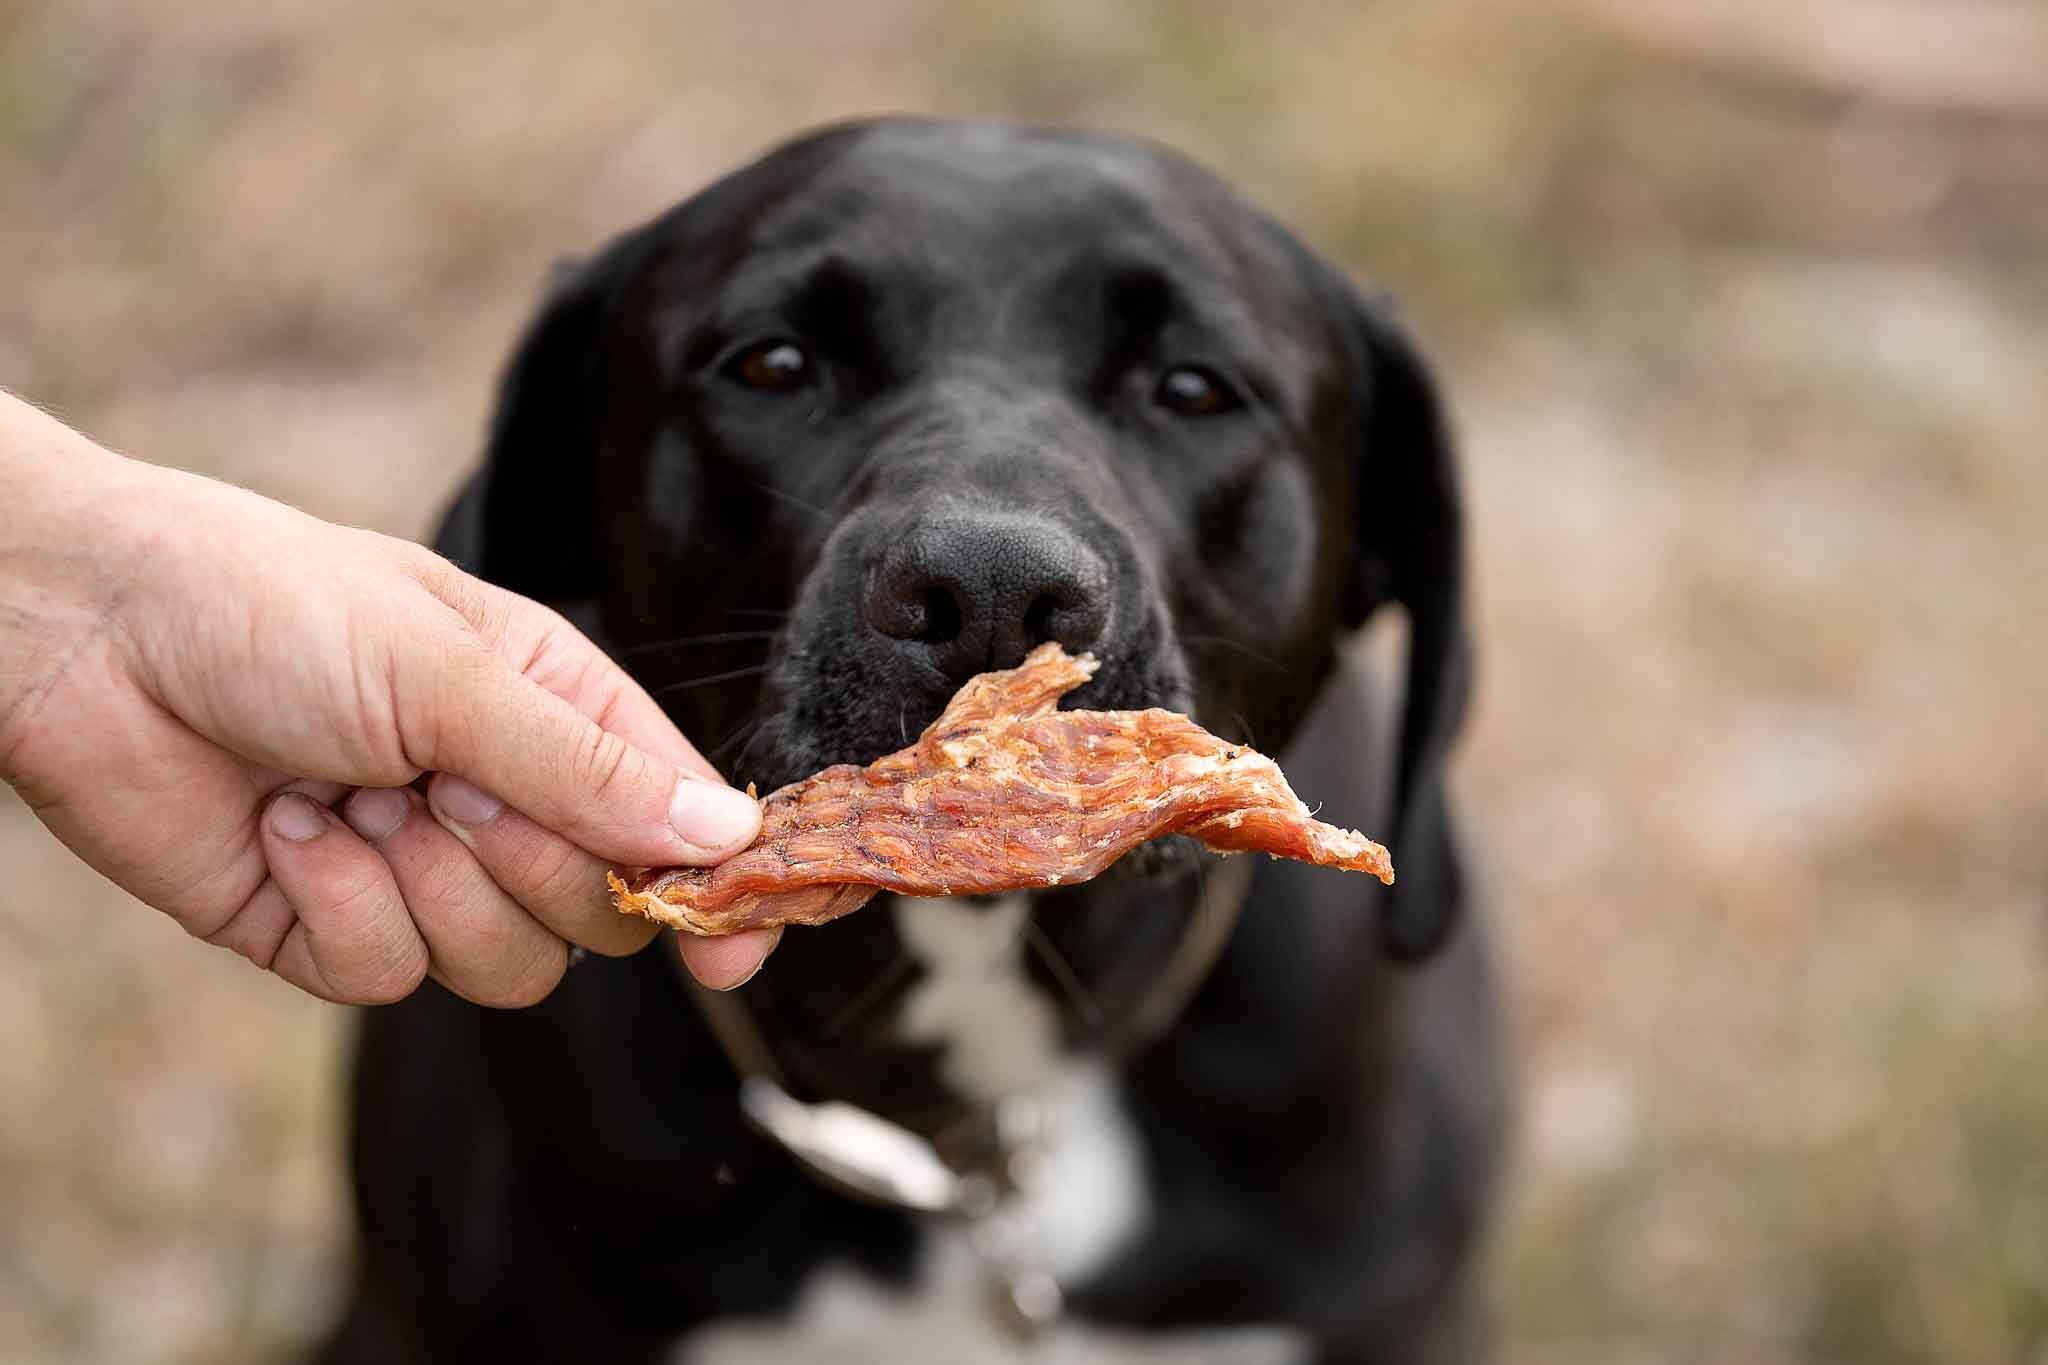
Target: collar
974,1169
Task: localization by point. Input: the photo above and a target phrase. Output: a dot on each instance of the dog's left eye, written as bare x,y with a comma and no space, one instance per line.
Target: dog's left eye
771,366
1195,391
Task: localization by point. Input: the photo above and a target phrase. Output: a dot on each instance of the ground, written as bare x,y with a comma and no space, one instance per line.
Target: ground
1744,310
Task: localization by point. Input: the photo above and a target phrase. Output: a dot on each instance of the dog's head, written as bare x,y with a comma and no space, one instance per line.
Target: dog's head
901,400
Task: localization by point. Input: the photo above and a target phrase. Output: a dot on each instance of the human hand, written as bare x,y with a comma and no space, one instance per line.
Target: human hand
226,707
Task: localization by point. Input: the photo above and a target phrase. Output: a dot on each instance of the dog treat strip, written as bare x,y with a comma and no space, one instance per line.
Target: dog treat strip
1001,792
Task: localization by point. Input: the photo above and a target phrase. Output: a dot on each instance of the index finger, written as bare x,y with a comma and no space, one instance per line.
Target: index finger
562,659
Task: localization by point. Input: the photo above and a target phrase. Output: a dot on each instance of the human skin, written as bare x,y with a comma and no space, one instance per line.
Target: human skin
228,708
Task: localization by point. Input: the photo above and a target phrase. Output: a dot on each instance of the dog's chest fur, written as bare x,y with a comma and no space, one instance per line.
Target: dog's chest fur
999,1034
1080,1175
943,1318
1082,1183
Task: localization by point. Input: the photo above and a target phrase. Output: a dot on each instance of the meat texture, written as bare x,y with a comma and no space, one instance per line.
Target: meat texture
1001,792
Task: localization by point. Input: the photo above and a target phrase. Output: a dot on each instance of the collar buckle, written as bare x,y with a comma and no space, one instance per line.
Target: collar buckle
870,1158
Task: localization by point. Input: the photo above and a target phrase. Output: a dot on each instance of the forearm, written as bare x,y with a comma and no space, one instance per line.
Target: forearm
67,554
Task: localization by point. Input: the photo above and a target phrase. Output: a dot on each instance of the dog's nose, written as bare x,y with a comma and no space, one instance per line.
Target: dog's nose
976,593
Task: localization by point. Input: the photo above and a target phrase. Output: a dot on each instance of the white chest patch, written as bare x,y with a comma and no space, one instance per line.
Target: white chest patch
1000,1032
1080,1189
1082,1182
1080,1197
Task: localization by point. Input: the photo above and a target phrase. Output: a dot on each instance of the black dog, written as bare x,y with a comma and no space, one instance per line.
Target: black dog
866,418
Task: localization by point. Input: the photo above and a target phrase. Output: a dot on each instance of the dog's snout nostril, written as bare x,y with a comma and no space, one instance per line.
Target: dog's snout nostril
1038,618
965,594
938,614
1067,614
913,607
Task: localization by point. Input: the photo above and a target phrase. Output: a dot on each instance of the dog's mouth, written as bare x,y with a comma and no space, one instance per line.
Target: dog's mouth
823,703
816,716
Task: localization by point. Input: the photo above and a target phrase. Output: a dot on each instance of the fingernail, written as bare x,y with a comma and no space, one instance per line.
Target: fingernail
713,818
374,812
295,818
463,803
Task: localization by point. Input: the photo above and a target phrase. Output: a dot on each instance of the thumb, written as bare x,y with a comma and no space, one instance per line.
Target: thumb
501,731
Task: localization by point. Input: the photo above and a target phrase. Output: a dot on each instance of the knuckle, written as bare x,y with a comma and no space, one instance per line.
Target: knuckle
603,762
438,708
442,879
570,882
357,899
239,937
471,600
431,571
371,955
565,889
541,871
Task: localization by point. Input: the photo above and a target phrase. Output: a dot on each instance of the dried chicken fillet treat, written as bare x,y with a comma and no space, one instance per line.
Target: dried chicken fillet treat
1001,792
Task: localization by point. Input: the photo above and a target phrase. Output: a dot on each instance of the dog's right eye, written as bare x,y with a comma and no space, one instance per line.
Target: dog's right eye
1196,391
775,366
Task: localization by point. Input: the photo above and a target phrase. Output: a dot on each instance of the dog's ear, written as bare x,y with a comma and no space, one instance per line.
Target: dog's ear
528,519
1409,548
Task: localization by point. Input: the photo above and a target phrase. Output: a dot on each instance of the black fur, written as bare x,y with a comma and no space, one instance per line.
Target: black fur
981,458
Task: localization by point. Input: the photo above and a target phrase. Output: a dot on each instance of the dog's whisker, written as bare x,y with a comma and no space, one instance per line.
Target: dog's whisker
727,676
869,995
739,760
1064,973
786,496
767,613
716,637
739,734
1231,644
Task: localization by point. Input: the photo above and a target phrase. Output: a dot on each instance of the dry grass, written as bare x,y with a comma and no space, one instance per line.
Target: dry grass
1753,366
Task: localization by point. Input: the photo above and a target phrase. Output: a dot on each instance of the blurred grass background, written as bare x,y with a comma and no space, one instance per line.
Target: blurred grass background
1744,310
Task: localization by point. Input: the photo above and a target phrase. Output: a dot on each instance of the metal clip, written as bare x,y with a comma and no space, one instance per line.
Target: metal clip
860,1152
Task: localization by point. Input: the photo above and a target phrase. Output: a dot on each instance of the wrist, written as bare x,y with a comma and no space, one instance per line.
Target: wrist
69,552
